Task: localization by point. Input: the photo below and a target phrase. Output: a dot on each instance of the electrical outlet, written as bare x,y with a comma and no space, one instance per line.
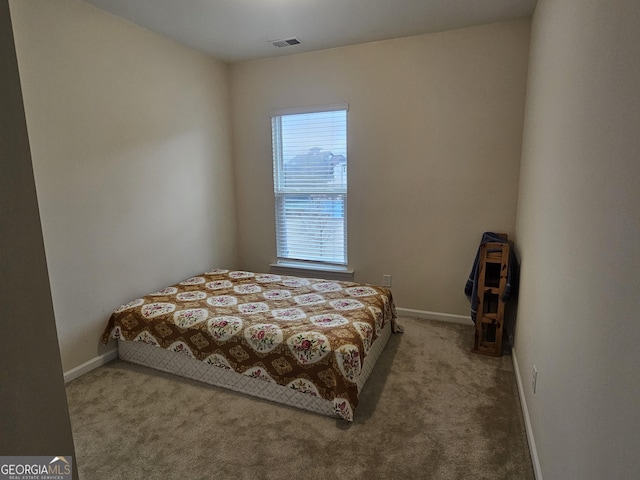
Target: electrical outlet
534,379
386,280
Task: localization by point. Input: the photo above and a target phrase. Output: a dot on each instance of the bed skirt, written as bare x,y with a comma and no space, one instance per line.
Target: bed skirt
184,366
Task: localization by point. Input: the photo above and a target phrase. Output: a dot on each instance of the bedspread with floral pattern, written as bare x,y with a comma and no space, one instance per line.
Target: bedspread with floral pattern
310,335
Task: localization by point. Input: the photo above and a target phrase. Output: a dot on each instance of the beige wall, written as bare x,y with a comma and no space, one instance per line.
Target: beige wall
578,229
34,419
434,126
131,150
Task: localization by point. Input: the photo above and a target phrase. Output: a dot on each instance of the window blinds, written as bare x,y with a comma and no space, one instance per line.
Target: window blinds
310,185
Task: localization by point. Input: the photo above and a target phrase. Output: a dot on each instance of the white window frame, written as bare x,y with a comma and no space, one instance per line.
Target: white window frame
280,193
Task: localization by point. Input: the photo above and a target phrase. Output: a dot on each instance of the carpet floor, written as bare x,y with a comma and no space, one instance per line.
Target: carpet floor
431,410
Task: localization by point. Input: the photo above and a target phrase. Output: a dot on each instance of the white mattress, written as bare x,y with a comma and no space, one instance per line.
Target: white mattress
179,364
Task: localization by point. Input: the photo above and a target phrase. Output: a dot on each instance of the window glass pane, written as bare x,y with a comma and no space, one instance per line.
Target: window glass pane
310,173
306,131
311,227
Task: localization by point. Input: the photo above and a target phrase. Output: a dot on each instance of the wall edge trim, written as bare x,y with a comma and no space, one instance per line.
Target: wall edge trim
443,317
537,470
89,365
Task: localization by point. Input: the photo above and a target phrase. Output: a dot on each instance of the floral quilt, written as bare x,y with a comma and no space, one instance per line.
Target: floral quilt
310,335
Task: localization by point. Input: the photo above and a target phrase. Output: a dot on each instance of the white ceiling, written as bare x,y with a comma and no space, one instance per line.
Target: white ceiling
237,30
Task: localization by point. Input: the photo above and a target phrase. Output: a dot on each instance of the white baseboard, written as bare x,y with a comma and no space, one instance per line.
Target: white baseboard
527,419
444,317
92,364
100,360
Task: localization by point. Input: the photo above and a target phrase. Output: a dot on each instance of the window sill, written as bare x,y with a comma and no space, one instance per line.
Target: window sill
326,272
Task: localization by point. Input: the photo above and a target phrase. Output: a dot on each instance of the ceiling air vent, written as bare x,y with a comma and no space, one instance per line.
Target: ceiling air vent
287,42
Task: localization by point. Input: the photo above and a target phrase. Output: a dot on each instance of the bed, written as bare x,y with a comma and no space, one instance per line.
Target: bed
307,343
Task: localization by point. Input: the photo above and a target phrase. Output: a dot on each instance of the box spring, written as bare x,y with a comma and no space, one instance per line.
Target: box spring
185,366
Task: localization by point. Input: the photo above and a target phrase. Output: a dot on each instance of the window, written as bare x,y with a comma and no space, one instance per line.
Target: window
310,185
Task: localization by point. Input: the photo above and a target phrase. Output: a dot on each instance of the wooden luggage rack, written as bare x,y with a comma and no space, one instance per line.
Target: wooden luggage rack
492,280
